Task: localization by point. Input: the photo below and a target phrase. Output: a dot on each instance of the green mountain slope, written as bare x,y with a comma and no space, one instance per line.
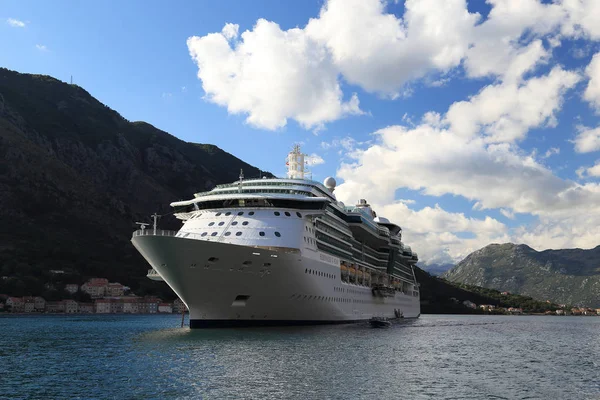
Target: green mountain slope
570,276
75,176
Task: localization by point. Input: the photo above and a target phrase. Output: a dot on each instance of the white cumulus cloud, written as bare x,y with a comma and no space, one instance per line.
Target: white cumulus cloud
592,91
271,75
587,140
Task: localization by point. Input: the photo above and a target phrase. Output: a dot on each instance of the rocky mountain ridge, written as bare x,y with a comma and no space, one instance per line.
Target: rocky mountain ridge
75,176
568,276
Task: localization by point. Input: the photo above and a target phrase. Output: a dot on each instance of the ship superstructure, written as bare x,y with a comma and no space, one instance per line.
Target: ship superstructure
282,251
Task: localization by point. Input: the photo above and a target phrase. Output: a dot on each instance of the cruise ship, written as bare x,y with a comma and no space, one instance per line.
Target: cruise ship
276,251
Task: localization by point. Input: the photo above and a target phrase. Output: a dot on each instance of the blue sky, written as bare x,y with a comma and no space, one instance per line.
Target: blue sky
466,122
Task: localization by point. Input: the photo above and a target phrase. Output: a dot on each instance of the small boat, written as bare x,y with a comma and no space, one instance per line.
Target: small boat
380,322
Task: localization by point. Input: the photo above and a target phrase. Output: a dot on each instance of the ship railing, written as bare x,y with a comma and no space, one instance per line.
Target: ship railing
152,232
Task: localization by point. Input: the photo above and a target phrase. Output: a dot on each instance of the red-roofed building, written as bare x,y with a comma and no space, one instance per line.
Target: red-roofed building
16,304
95,287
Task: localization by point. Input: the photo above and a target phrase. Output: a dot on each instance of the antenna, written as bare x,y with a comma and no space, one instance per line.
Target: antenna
155,217
71,79
142,225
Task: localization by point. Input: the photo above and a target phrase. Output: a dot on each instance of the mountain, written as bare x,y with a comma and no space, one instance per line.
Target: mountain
570,276
436,269
75,176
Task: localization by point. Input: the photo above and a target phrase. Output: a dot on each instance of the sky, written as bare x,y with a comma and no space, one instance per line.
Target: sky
465,122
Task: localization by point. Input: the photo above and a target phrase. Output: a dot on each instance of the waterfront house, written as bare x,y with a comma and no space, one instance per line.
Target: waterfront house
597,311
149,305
28,304
560,312
515,310
15,303
165,308
131,305
71,306
116,306
86,308
72,288
102,306
55,306
487,307
40,303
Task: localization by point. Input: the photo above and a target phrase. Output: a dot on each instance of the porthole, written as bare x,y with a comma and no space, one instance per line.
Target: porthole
234,223
245,223
277,234
287,214
277,213
213,234
217,214
211,224
227,233
228,213
251,213
221,223
299,215
238,234
241,213
204,233
261,233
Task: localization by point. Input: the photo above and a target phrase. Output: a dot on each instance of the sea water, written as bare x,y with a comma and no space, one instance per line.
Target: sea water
434,357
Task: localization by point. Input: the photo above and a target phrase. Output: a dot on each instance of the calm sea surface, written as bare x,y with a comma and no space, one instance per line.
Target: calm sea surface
435,357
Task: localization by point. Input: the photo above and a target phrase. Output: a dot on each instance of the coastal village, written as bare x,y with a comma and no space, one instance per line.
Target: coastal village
106,298
563,309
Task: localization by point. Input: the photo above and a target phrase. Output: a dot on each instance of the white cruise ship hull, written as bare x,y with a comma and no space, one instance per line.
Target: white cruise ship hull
225,285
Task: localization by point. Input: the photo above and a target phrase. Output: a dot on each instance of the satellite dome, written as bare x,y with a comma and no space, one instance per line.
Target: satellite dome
329,183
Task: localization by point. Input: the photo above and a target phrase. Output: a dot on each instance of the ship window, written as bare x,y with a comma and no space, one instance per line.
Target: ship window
251,213
277,214
287,214
277,234
234,223
247,263
221,223
261,233
227,233
266,264
241,213
299,215
211,224
217,214
204,234
213,259
228,213
213,234
238,234
245,223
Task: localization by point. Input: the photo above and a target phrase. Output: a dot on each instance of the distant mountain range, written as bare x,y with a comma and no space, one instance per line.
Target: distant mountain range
436,269
570,276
